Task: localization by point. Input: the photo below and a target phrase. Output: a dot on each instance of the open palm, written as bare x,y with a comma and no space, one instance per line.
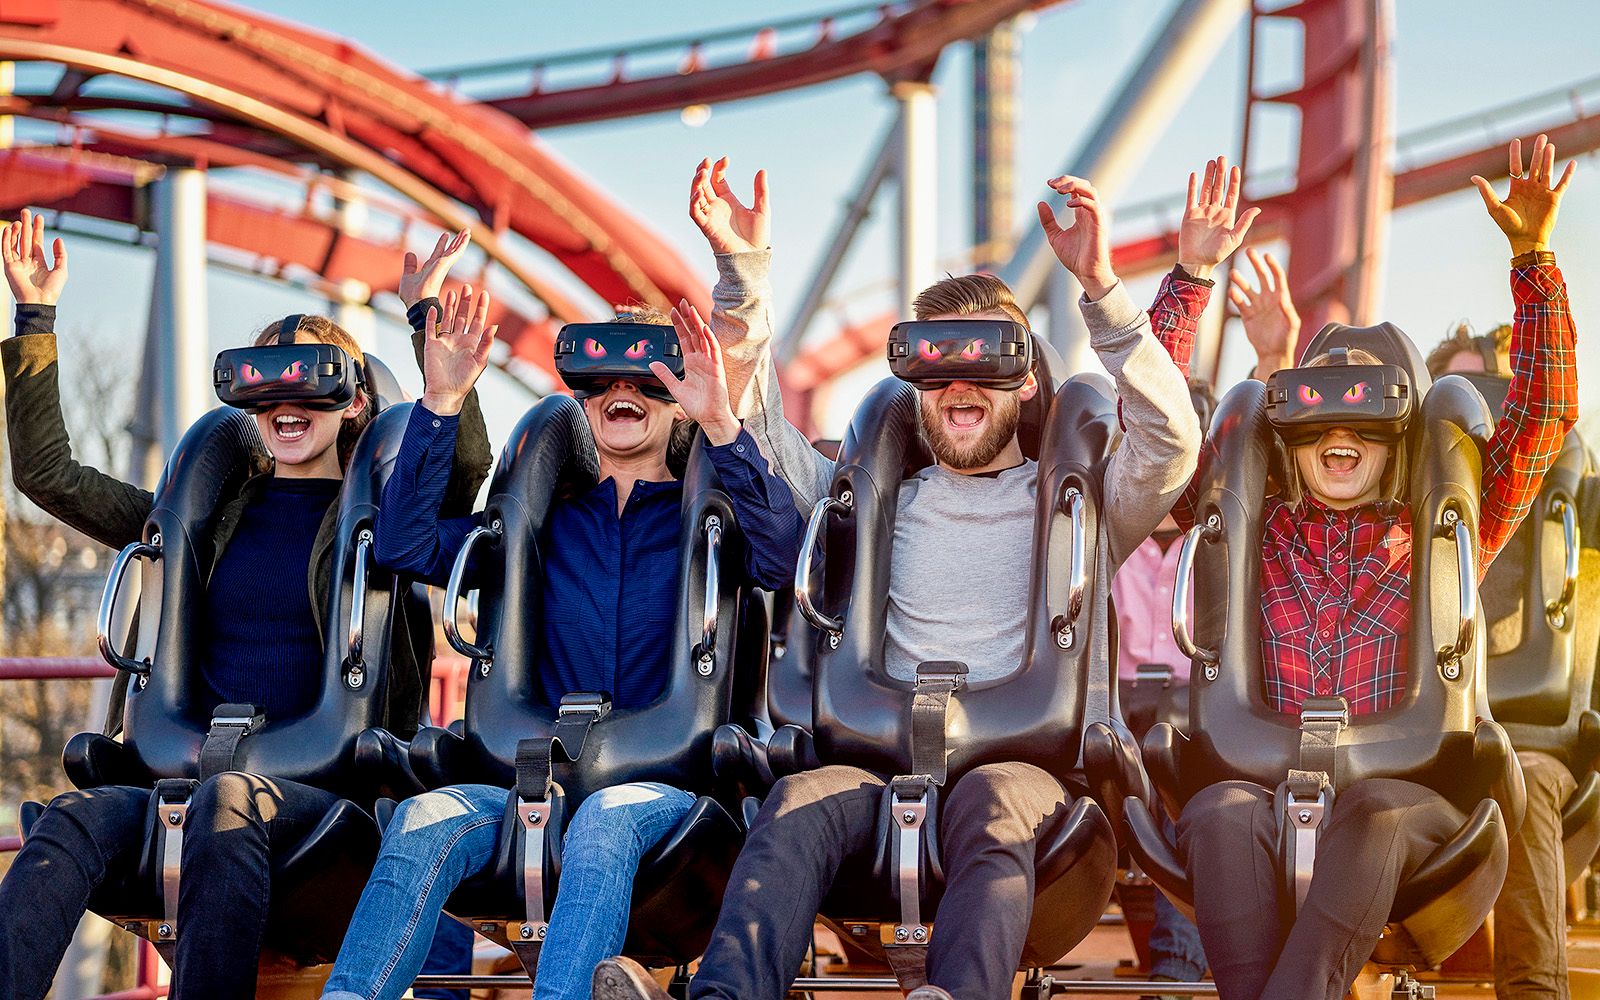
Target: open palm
1210,231
703,390
729,226
1527,214
423,280
30,276
455,350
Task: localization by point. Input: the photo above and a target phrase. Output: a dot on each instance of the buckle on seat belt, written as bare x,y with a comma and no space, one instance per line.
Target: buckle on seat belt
936,681
535,764
1153,673
1309,790
229,725
172,812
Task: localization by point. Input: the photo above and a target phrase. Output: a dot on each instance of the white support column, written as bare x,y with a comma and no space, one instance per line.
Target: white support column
919,190
184,351
350,302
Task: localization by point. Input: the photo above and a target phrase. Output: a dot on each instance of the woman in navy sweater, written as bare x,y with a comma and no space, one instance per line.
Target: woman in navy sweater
274,537
611,561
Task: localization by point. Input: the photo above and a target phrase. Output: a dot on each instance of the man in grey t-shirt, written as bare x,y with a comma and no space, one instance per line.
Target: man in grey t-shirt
962,547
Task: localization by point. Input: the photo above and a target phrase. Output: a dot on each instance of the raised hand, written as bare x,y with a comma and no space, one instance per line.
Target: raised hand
703,390
456,349
1085,248
424,280
1209,232
1528,214
728,225
1270,322
32,279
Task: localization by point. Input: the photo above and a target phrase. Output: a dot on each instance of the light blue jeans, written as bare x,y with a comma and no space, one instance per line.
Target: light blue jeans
438,839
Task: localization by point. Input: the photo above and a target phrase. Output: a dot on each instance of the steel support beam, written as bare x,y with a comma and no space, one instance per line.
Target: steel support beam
1119,143
351,302
919,190
183,347
995,61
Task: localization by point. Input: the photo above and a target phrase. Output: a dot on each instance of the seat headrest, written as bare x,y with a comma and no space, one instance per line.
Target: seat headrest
382,385
1047,368
1386,342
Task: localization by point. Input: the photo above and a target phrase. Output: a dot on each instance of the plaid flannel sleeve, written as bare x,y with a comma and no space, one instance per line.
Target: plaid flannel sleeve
1175,318
1541,405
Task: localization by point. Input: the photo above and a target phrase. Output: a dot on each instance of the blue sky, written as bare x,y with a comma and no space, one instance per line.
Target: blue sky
1446,260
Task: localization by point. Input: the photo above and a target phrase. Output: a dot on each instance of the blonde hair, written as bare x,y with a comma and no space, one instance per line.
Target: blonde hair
323,330
968,294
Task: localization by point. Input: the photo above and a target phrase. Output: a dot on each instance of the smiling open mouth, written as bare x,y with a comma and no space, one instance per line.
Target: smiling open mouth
624,409
964,417
290,428
1340,459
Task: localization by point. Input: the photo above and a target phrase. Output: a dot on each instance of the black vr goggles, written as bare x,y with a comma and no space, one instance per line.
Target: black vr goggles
315,376
996,354
590,356
1374,401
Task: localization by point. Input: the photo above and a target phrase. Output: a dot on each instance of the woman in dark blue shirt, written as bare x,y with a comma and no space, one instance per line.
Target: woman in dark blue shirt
611,567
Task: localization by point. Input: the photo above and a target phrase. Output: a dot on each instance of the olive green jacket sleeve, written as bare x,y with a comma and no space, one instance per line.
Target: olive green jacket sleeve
103,507
473,455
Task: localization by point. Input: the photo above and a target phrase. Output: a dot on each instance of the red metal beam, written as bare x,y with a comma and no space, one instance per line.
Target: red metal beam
899,45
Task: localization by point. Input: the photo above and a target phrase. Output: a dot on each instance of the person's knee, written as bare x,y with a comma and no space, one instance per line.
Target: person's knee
1548,781
438,812
997,793
1225,810
607,828
225,803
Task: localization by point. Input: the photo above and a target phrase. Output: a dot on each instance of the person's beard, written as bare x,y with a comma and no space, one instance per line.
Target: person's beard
1003,411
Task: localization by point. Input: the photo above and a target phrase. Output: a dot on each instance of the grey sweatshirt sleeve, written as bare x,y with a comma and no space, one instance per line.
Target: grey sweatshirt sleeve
741,319
1161,434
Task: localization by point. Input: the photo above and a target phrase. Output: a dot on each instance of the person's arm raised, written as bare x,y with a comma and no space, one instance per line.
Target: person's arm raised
1541,405
420,283
42,466
1156,459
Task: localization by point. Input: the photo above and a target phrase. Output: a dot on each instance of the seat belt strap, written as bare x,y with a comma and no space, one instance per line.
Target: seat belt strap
229,725
936,681
1311,787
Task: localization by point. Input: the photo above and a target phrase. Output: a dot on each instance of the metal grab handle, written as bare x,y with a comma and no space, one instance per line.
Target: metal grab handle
1078,574
452,594
108,602
802,570
358,596
1467,585
1557,609
708,630
1180,598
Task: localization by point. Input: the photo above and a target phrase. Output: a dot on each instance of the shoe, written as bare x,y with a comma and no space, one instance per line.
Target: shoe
624,979
928,992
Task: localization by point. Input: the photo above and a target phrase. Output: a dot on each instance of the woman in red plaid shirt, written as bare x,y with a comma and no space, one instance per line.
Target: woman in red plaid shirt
1335,614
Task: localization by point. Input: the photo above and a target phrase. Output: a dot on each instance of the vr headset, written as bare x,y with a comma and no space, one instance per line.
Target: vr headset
590,356
1375,401
996,354
315,376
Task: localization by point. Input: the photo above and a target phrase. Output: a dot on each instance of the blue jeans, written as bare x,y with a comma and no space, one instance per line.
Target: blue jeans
1175,950
438,839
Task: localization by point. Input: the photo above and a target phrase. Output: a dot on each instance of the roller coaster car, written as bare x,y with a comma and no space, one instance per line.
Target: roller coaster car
1541,599
555,756
337,744
1431,736
937,728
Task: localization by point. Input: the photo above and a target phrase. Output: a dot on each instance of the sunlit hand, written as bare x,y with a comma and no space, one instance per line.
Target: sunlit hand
1528,214
1085,247
1270,322
703,390
423,281
1209,232
455,350
728,225
32,279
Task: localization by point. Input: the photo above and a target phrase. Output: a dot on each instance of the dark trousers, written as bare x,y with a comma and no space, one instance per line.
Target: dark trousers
818,822
236,822
1530,917
1379,833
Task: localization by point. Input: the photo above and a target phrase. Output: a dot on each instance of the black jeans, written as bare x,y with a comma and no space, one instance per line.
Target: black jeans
1380,831
818,822
236,822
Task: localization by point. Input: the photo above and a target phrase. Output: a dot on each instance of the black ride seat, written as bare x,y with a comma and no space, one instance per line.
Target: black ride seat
1431,736
861,716
337,744
1541,600
586,746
